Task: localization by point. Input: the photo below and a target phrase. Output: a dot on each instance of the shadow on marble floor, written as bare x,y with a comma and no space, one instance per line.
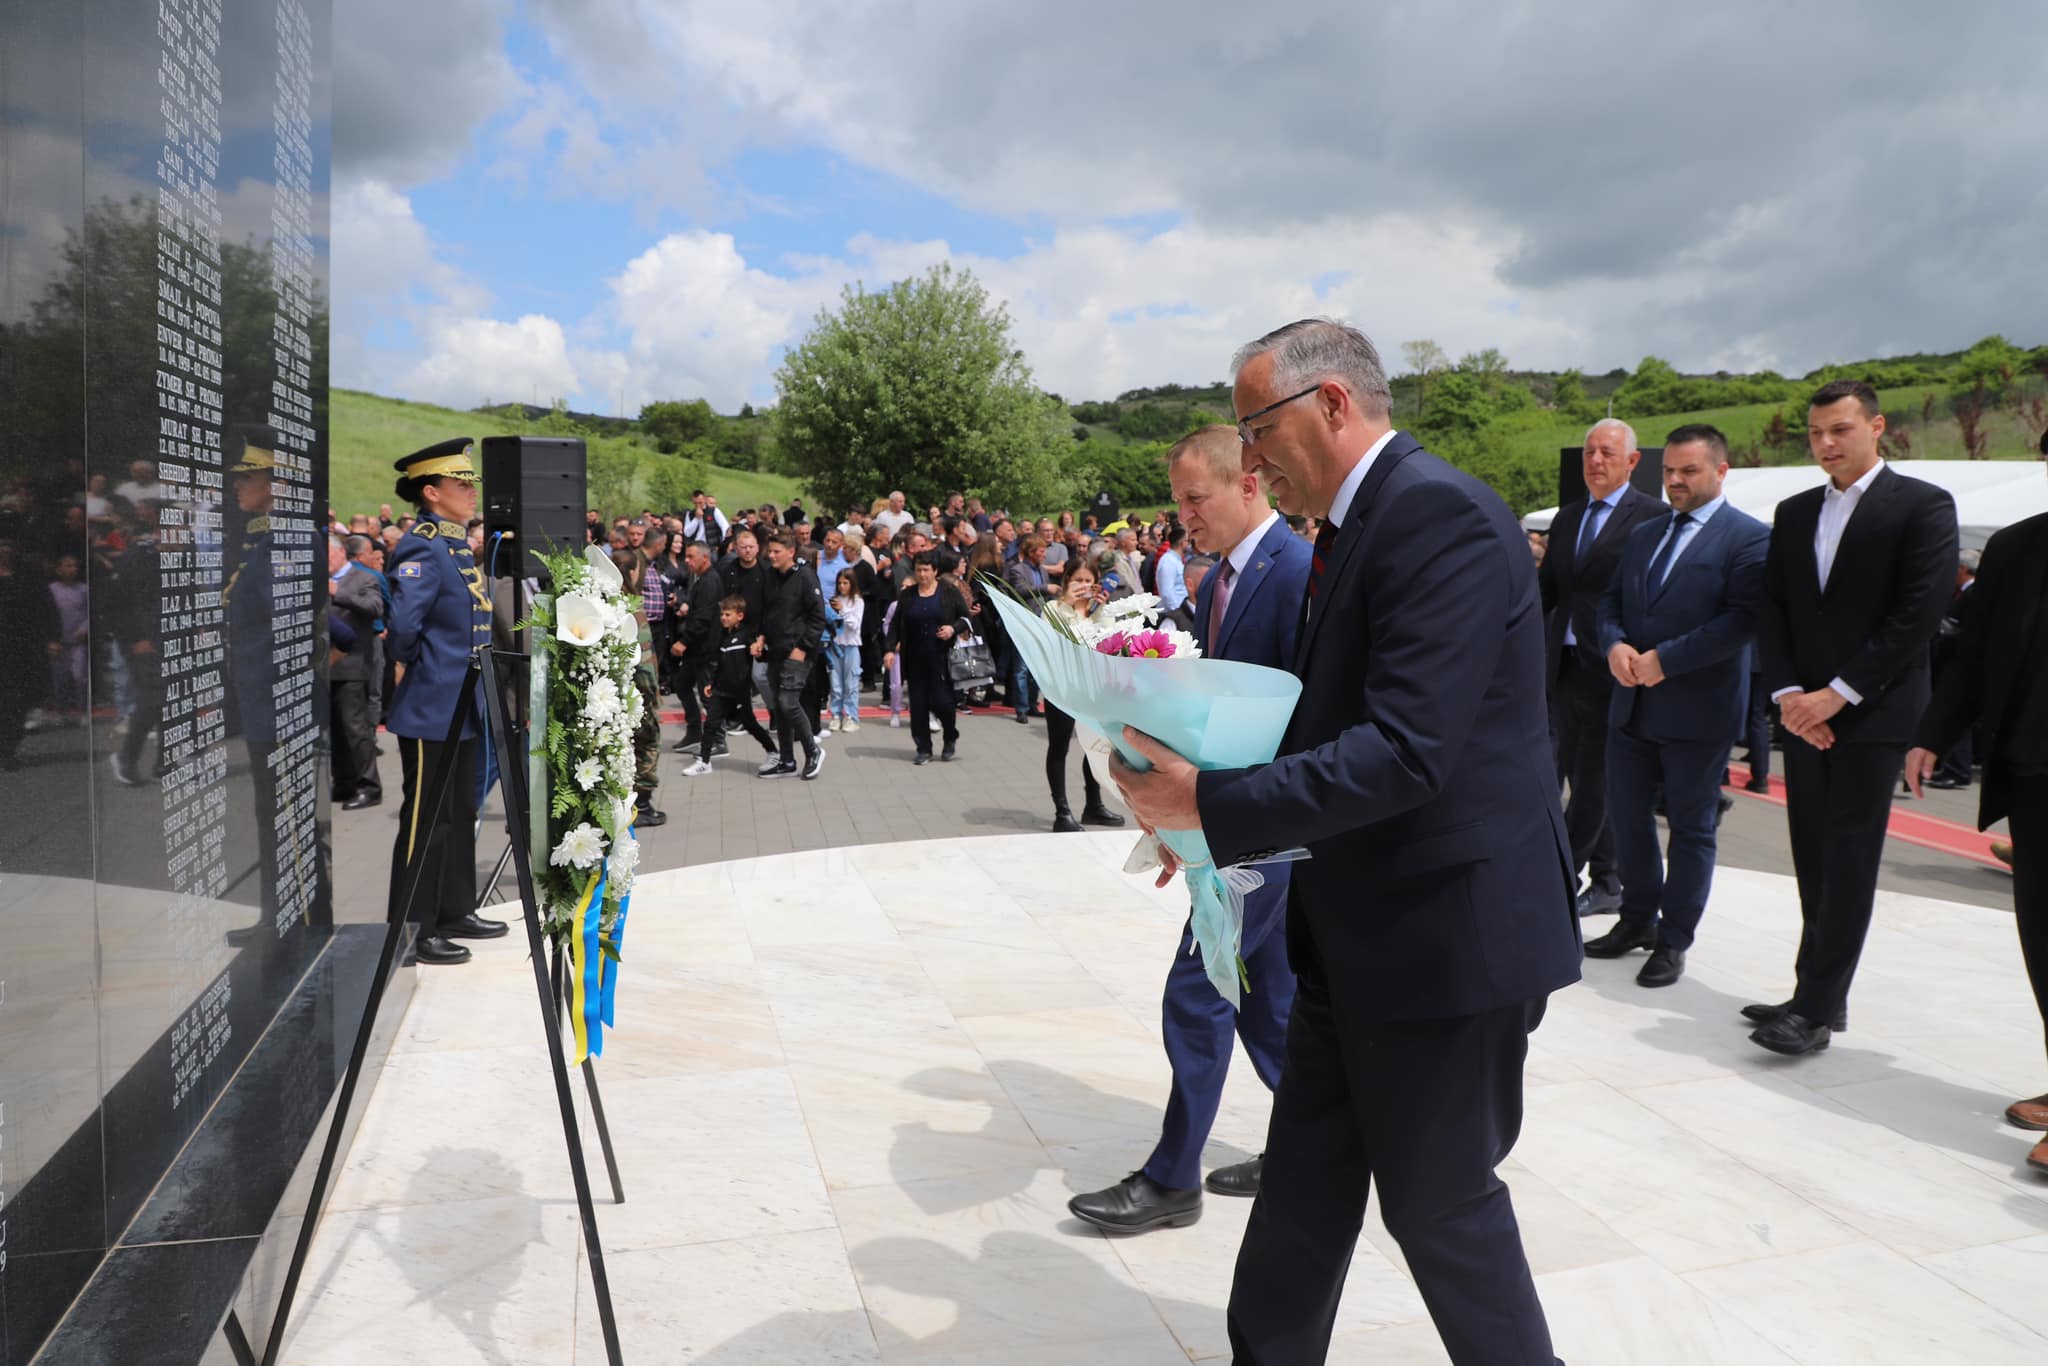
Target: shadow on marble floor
487,1275
1056,1304
1702,1022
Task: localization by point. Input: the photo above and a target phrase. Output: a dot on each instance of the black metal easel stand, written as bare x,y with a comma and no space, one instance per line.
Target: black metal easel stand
483,668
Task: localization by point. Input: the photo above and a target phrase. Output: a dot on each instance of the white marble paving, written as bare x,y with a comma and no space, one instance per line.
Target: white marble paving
853,1090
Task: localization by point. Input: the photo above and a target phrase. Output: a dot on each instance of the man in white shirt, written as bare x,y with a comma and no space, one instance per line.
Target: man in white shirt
1855,585
896,516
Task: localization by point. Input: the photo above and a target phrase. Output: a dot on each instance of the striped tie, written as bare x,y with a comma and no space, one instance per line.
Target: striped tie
1325,538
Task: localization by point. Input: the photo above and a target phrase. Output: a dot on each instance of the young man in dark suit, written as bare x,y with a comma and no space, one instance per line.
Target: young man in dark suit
1676,626
1855,585
1585,549
1998,678
1434,917
1248,608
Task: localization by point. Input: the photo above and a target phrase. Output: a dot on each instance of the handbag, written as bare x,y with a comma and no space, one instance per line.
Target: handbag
970,663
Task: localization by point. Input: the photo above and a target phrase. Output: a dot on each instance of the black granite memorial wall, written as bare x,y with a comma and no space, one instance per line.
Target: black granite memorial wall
164,897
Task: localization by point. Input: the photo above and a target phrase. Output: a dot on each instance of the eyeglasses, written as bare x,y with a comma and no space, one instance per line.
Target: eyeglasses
1244,424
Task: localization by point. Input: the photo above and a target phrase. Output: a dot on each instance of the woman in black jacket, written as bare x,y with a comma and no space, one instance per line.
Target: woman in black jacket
930,613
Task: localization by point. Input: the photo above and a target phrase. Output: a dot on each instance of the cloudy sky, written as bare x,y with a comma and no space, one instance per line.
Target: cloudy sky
637,199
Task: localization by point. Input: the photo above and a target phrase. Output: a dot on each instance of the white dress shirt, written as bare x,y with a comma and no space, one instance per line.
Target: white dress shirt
1837,506
1241,554
1348,490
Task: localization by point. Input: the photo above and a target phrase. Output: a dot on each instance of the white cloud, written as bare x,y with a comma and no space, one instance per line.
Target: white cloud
413,82
1807,188
473,361
391,284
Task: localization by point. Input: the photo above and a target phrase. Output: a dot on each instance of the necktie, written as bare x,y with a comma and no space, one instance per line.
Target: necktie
1325,539
1219,603
1661,566
1589,530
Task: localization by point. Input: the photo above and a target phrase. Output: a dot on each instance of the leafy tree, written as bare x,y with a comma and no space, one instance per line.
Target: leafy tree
1425,358
1490,367
670,480
1570,399
1137,475
919,387
672,424
1989,368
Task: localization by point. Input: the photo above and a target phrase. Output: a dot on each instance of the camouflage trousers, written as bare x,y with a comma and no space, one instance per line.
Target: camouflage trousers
647,737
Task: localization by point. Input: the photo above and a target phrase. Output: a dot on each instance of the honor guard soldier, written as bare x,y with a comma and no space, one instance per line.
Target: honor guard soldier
440,617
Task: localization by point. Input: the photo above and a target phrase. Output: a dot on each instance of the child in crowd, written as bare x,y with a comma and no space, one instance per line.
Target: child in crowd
68,654
726,697
842,655
895,680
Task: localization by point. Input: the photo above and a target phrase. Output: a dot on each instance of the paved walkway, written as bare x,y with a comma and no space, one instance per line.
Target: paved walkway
870,794
853,1090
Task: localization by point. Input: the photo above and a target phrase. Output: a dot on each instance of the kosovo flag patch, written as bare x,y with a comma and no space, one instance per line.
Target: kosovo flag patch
409,570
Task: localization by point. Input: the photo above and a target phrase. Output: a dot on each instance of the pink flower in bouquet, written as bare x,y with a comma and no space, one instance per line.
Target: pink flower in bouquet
1115,643
1150,645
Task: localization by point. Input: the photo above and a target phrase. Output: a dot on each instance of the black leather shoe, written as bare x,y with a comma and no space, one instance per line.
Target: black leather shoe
1949,784
1063,823
1791,1035
434,948
924,756
1724,804
1135,1204
474,926
1596,902
1095,813
1763,1014
1666,966
646,817
1239,1178
361,800
1626,936
1760,786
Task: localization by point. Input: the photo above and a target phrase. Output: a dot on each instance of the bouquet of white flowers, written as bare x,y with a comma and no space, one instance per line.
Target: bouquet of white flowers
1118,667
586,644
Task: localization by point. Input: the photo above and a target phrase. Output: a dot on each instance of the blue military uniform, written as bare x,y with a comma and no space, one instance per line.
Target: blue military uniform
440,617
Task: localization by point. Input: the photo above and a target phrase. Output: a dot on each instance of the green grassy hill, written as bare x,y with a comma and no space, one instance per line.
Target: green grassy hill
366,433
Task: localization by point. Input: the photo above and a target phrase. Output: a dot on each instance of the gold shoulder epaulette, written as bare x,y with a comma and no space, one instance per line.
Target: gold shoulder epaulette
425,529
258,526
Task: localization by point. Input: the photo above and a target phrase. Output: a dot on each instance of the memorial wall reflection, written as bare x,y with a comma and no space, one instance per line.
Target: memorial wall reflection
163,357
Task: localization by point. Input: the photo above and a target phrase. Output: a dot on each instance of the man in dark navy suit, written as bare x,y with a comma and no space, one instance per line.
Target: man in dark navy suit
1676,626
1248,608
1434,916
1857,579
1585,549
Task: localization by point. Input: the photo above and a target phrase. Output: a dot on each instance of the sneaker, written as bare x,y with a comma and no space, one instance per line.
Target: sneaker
932,724
833,724
124,772
721,749
774,762
852,724
778,769
895,722
698,769
814,764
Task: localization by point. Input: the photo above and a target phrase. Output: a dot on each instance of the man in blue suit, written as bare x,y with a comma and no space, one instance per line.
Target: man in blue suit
1248,608
1435,915
1677,624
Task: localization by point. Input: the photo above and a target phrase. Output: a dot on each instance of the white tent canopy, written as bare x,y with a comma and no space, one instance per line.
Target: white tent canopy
1989,494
